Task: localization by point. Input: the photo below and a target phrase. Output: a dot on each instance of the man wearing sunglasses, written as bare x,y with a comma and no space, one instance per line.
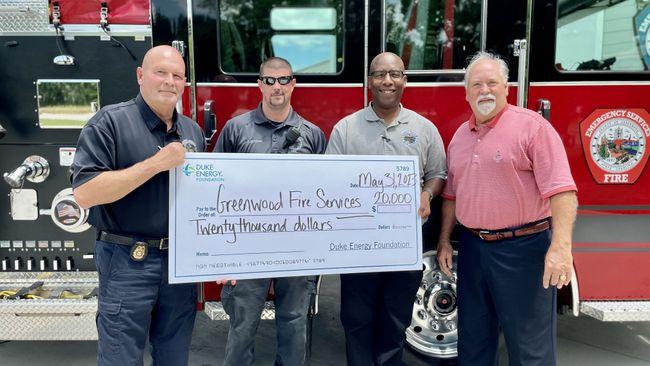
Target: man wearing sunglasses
376,308
273,128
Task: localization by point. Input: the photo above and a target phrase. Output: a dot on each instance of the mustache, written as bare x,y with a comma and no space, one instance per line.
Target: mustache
490,97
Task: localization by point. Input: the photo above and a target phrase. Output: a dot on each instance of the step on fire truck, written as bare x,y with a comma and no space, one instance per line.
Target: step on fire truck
582,64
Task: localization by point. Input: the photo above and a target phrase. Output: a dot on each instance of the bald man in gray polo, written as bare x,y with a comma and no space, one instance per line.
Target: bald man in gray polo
376,307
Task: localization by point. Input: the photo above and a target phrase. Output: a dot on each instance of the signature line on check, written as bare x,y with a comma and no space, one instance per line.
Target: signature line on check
353,216
287,252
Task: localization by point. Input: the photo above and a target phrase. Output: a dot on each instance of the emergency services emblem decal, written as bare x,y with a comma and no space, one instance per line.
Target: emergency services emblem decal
614,142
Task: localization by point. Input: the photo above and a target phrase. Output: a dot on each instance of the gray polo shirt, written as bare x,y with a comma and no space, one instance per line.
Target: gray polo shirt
252,132
364,133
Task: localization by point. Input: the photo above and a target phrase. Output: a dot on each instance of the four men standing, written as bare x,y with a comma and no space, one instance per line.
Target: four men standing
508,173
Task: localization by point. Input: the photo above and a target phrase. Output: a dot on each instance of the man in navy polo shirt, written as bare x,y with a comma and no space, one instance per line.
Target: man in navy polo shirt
121,172
274,127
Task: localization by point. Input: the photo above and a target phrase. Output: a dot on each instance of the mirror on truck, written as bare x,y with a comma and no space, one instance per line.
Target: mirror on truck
66,103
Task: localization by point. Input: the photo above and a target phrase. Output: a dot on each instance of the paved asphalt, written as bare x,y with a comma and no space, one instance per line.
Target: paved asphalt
581,341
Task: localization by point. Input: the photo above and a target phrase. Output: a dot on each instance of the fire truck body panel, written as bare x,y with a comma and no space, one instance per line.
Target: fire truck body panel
51,86
610,238
119,11
310,101
23,68
571,103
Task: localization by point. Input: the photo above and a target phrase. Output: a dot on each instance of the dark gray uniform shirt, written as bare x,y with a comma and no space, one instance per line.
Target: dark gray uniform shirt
252,132
117,137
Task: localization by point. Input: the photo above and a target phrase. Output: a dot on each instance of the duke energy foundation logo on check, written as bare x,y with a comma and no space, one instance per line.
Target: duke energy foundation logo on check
205,172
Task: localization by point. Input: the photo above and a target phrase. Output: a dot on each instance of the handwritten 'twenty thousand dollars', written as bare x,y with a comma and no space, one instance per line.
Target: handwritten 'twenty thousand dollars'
294,199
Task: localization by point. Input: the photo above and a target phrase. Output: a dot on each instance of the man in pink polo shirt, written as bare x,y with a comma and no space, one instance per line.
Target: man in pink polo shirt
508,174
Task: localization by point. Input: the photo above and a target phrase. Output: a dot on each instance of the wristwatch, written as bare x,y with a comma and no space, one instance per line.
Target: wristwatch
429,192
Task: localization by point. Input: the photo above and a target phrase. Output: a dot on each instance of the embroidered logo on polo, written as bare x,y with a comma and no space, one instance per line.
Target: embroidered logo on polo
247,145
409,137
189,145
614,143
498,157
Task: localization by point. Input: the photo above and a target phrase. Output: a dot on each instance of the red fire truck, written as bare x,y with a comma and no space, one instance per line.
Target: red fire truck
583,64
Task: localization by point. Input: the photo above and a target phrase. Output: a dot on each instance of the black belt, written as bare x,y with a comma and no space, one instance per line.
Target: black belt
528,229
161,244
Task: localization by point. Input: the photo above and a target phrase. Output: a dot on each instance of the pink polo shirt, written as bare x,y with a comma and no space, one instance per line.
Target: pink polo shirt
502,174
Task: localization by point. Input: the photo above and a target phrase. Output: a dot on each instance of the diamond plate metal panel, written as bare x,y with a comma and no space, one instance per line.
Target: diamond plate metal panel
24,16
56,327
49,319
215,311
49,277
48,306
620,311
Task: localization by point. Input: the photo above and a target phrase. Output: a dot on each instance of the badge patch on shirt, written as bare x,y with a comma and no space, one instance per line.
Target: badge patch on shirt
189,145
409,137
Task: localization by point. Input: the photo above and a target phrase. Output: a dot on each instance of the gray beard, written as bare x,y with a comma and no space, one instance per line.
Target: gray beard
486,108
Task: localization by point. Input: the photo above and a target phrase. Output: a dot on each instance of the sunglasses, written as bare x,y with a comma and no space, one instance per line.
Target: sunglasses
270,80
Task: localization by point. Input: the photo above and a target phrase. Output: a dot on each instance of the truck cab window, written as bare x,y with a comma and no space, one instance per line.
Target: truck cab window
434,34
308,33
606,35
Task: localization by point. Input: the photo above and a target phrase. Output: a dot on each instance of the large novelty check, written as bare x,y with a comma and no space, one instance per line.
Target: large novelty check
239,216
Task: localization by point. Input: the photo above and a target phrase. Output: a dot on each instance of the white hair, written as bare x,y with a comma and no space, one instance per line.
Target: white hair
482,56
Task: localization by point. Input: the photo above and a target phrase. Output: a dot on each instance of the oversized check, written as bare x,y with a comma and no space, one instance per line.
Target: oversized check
239,216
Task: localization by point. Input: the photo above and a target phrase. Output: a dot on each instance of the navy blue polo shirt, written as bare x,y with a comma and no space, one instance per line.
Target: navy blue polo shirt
118,137
252,132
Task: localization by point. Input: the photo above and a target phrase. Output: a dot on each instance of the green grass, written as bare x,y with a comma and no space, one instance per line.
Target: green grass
67,109
60,123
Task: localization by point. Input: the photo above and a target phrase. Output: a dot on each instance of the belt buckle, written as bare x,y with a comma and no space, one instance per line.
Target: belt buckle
483,232
163,244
